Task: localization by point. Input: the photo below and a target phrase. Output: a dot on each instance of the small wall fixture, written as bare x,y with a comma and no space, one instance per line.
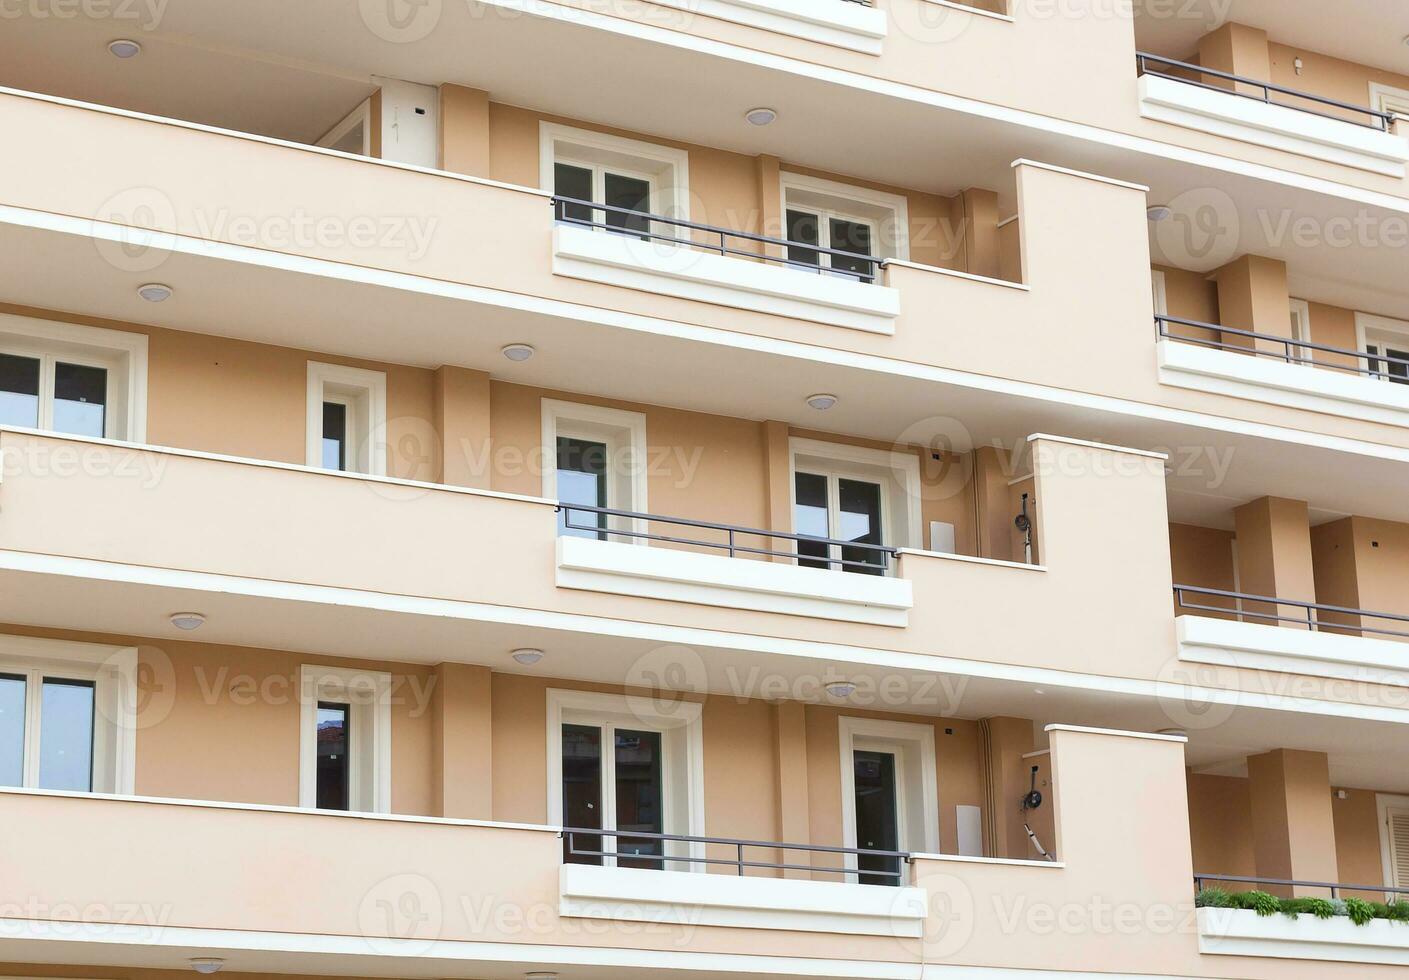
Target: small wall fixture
1160,212
124,48
206,964
188,621
154,292
540,976
841,689
822,402
517,352
527,656
761,116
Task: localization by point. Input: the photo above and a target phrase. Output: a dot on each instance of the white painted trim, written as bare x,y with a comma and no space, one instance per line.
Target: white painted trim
733,583
897,471
622,432
1241,932
1160,292
722,280
365,393
361,115
897,247
1301,319
122,352
1384,802
1264,646
1279,127
857,27
1387,98
971,559
370,735
1107,447
1038,165
975,859
741,902
1275,381
1149,736
669,198
908,737
976,11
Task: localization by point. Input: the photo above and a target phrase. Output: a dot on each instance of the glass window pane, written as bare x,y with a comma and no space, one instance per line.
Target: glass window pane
1398,372
582,479
334,758
860,505
12,692
805,229
631,193
877,827
576,183
852,236
582,792
80,397
639,796
810,515
66,735
19,391
334,436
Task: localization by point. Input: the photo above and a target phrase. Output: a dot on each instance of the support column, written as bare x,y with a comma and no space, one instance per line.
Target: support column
778,483
1253,295
461,747
1274,555
1237,50
991,503
980,232
770,202
794,808
462,424
464,130
1294,833
1007,776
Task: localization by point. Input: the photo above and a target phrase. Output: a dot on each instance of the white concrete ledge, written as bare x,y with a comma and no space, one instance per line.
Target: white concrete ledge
737,583
1272,380
1264,646
1240,932
690,273
1117,733
855,26
686,898
1280,127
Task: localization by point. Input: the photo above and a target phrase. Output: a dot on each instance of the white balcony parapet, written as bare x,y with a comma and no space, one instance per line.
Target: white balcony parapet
840,23
1240,932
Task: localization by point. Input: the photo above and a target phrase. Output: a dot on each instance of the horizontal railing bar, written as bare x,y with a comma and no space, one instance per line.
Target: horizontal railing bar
686,859
1301,604
1385,119
1162,319
725,546
734,842
1252,880
710,525
1307,619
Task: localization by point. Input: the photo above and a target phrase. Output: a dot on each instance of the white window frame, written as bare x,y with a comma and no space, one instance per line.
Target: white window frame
914,749
624,435
666,169
1373,329
369,739
364,392
887,214
1160,291
113,671
122,353
1387,98
1384,802
898,474
680,724
1301,329
361,115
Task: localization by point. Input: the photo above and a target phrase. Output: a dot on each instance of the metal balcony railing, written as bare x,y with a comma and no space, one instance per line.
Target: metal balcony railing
1335,888
646,226
1308,613
891,862
1372,118
1377,366
606,523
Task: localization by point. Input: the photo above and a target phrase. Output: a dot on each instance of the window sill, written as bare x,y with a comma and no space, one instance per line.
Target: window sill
688,273
843,25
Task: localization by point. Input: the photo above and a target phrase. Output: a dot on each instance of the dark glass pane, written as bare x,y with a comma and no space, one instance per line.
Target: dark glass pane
576,183
19,391
334,436
582,479
803,228
860,506
582,792
66,735
12,693
334,759
1398,372
80,397
631,193
852,236
639,796
810,516
877,827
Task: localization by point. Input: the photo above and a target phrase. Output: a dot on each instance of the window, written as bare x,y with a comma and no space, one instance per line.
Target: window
825,214
1387,343
1394,838
346,419
624,764
345,739
71,379
853,494
890,795
352,134
637,177
66,715
1301,328
1159,287
594,457
1384,98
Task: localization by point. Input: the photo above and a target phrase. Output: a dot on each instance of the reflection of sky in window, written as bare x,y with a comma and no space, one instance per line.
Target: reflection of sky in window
810,514
855,527
576,487
11,731
66,736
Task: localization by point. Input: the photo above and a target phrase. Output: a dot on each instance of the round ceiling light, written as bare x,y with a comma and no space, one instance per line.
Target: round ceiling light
124,48
841,689
1160,212
527,656
761,116
154,292
517,352
187,621
822,401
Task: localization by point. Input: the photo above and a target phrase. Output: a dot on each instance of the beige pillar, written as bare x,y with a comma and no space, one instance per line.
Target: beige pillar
1274,555
794,808
980,232
461,744
778,483
464,130
1237,50
1294,833
1007,776
770,201
1253,295
991,503
462,424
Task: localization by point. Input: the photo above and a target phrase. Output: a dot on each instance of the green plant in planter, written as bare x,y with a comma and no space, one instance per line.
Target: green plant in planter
1260,902
1321,908
1215,898
1359,910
